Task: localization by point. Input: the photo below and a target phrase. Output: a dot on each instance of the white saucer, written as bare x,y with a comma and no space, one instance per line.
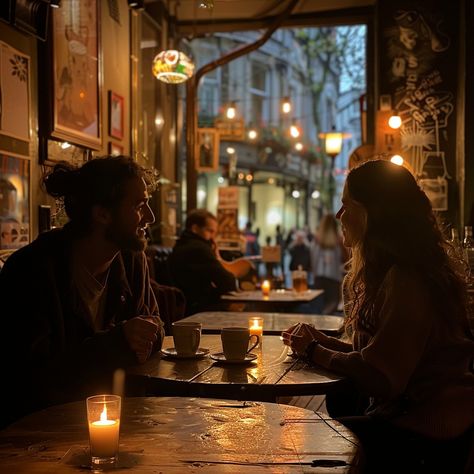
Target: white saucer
172,354
220,357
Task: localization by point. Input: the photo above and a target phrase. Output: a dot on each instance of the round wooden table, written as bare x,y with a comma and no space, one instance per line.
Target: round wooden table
184,435
273,374
273,323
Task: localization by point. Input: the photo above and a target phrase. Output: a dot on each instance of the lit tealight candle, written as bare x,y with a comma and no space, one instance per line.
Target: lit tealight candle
266,288
256,328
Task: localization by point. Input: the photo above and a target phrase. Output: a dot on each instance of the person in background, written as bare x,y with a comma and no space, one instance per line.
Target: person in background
327,259
309,234
280,241
77,302
197,267
299,252
411,352
252,247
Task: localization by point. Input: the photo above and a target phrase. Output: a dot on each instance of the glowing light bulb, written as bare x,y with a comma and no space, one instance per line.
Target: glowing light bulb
298,146
252,134
286,105
395,121
231,112
397,160
294,132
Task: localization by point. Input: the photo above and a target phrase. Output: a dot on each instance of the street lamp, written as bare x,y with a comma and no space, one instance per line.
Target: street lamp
332,148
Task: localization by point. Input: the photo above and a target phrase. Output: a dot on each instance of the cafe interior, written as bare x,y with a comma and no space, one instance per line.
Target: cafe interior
226,388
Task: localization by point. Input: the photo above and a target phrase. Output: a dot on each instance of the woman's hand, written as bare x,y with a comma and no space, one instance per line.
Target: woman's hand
299,336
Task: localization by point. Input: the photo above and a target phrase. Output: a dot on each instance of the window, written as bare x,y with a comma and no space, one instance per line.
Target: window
259,93
208,91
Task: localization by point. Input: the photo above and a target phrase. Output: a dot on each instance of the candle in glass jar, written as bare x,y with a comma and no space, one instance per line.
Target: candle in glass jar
104,436
266,288
256,327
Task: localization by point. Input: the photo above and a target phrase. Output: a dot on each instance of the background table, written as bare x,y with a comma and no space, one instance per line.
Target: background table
278,300
272,375
280,296
273,323
182,435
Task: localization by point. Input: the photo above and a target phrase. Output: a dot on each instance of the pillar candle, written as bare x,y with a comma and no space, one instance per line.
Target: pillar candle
104,436
266,288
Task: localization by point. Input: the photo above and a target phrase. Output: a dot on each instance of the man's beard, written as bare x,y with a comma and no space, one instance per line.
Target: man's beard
125,241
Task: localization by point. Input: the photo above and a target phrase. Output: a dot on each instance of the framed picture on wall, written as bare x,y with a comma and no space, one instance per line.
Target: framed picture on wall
116,115
76,91
207,150
114,149
14,93
14,201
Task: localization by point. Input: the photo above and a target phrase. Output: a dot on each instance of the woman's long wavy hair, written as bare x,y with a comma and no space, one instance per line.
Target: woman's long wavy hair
401,229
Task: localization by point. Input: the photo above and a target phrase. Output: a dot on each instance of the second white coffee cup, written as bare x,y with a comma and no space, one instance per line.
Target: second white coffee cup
186,336
235,342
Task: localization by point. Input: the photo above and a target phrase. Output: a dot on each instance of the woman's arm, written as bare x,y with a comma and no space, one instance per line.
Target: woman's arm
385,365
301,334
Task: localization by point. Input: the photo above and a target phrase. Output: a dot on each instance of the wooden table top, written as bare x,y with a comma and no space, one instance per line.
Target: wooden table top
276,296
271,375
176,435
273,323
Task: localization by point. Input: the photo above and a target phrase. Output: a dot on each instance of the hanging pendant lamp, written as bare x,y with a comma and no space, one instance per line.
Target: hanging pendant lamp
172,66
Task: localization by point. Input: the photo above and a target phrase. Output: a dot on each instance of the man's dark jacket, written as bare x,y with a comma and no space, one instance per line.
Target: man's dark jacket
197,272
50,353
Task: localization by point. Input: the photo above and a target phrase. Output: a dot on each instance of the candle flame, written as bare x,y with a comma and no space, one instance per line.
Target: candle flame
103,415
255,324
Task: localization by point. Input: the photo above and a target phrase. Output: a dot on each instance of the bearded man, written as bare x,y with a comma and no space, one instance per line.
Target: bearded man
77,302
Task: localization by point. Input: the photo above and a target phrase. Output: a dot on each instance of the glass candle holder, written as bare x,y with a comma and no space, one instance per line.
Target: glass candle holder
103,416
256,328
266,287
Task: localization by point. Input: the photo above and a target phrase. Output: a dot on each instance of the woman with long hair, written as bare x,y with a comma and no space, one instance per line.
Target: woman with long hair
412,350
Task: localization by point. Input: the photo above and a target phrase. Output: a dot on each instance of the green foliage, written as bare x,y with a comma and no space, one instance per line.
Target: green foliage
275,138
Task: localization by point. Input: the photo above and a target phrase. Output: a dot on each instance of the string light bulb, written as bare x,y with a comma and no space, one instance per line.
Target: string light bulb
286,105
395,121
294,131
231,111
252,134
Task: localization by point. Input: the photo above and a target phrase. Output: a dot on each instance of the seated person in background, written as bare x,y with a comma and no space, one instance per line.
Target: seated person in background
197,267
77,302
411,350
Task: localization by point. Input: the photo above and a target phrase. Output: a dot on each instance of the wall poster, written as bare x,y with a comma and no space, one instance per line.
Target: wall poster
14,93
14,201
77,64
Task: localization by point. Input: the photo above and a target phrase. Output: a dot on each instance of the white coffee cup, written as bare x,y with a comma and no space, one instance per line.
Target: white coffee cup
186,336
235,342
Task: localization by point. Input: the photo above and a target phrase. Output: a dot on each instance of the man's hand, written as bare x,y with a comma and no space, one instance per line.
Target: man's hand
141,333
